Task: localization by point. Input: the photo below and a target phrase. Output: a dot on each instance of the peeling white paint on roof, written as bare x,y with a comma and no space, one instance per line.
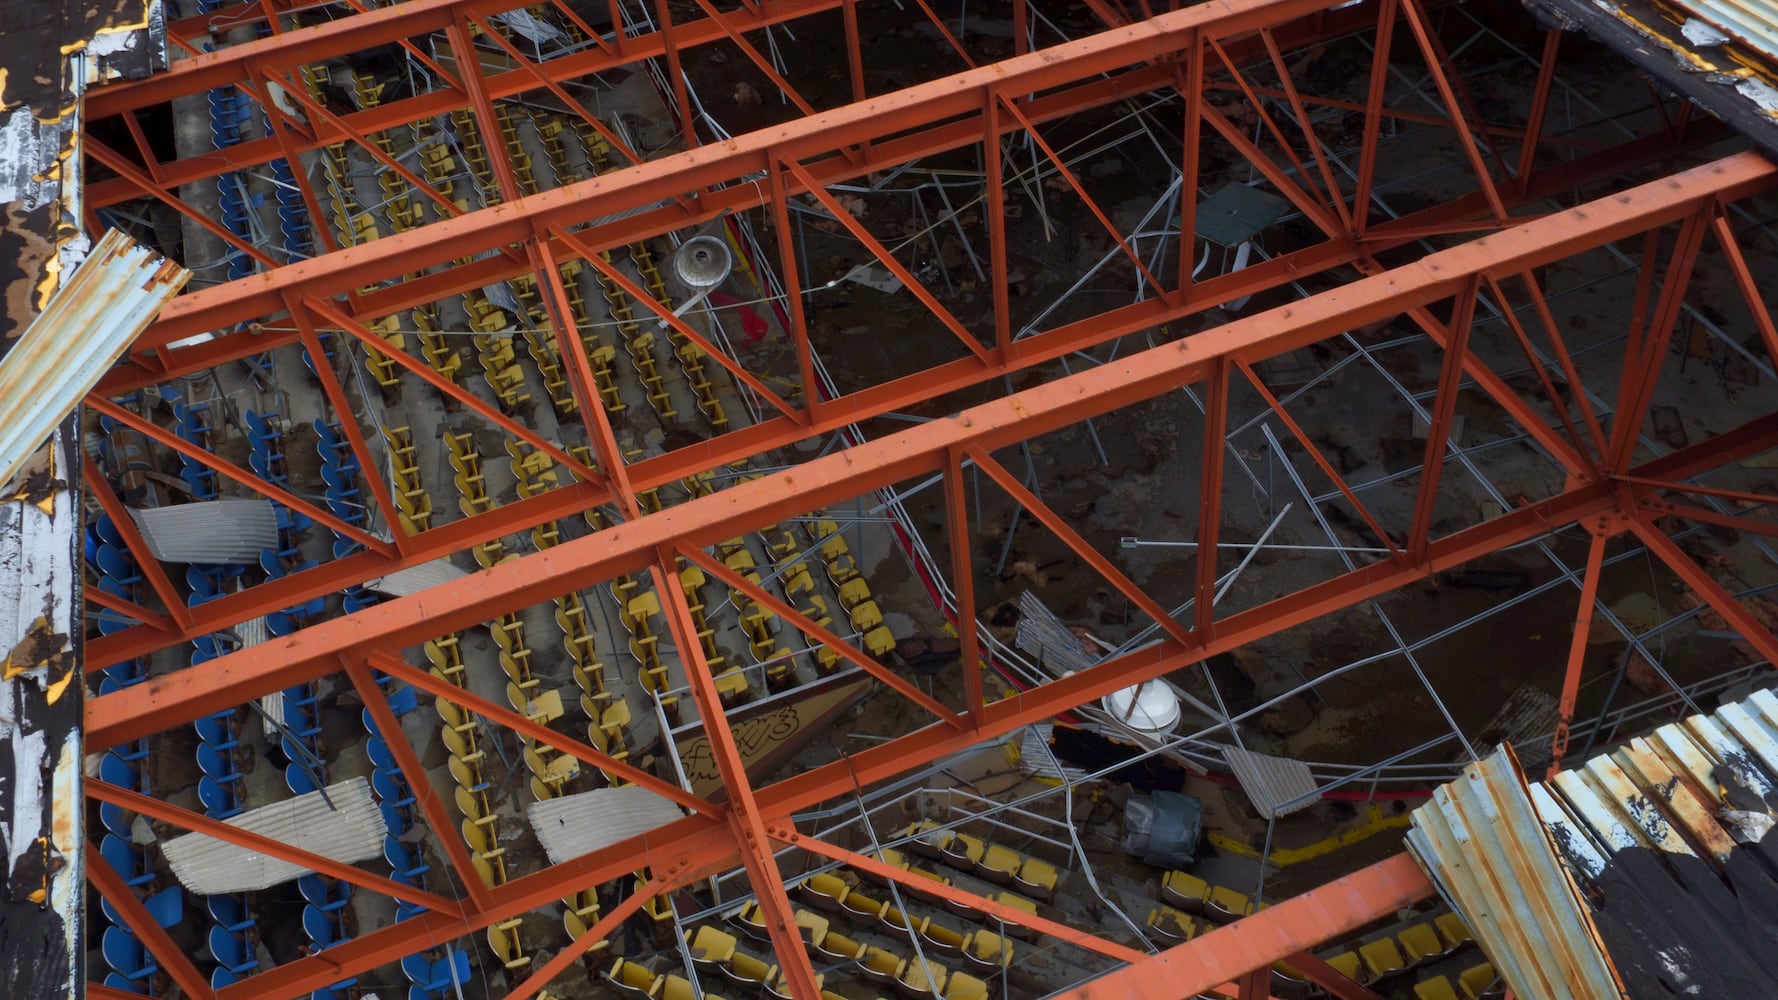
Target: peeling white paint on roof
1761,93
1702,32
28,150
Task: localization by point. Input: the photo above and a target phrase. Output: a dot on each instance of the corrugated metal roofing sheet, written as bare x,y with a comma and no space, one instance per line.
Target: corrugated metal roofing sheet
215,532
1045,637
1481,841
351,830
86,327
572,825
1754,23
1277,786
1665,839
414,579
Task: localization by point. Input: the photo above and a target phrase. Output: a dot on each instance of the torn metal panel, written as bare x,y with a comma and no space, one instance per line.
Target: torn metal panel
1482,840
571,825
214,532
344,824
41,938
414,579
90,322
1277,786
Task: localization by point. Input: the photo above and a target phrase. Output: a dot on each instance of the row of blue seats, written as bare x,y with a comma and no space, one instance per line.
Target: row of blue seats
339,477
428,978
293,215
192,423
132,967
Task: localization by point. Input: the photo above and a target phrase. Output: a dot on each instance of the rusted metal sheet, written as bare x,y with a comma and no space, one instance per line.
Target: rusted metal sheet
85,329
1664,837
1481,839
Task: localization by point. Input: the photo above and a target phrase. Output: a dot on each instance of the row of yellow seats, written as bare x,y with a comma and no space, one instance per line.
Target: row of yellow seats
991,862
439,167
501,370
533,471
758,621
1414,946
516,157
550,769
469,141
1478,982
854,592
689,355
641,613
472,492
480,825
434,346
541,342
712,947
549,132
605,720
642,353
798,582
914,976
983,947
414,505
383,368
866,908
1194,895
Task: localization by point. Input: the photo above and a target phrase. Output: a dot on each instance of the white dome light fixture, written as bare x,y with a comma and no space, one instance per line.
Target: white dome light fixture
1150,708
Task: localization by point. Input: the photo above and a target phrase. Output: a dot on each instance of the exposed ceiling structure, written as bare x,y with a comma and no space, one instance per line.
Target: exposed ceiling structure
1332,303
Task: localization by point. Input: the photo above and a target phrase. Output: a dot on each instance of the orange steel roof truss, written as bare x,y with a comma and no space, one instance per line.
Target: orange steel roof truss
1495,237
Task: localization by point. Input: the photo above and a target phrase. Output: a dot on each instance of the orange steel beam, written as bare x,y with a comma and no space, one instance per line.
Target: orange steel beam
897,394
108,601
1273,934
526,728
338,320
414,773
699,840
230,680
1053,931
1577,648
1030,350
155,432
752,841
1549,387
962,97
151,569
1432,466
1703,584
600,931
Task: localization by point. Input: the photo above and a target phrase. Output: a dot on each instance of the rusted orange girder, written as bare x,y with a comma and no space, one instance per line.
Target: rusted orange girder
1294,925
